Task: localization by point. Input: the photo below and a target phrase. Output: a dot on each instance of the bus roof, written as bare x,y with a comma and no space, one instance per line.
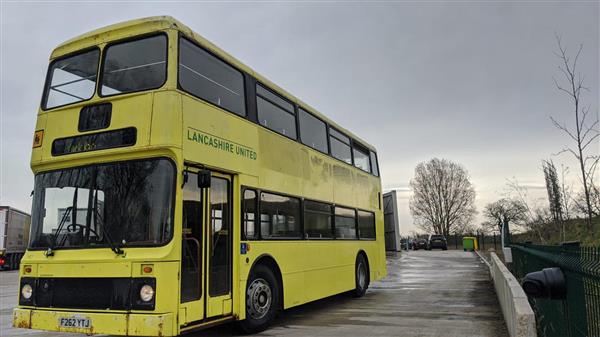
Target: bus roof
140,26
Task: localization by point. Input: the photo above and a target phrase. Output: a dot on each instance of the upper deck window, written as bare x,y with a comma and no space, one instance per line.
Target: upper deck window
205,76
71,79
313,131
275,112
134,65
374,166
340,146
361,158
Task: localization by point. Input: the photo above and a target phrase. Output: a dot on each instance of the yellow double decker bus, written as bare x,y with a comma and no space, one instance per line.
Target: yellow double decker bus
176,189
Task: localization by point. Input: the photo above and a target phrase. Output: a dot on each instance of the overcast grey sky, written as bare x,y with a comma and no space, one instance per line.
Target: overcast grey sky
467,81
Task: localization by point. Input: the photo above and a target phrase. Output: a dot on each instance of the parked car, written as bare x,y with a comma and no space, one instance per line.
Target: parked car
404,244
437,241
419,244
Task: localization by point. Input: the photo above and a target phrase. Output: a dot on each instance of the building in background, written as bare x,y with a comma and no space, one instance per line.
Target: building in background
391,221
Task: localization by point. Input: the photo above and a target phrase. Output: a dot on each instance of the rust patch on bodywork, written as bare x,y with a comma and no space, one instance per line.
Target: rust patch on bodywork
21,322
160,328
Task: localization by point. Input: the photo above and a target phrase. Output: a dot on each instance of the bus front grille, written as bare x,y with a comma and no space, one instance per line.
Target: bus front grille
83,293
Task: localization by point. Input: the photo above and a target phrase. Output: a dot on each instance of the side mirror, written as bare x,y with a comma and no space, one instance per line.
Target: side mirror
204,179
548,283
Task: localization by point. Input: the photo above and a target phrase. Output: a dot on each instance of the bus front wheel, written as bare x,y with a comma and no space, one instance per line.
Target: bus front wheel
361,276
262,300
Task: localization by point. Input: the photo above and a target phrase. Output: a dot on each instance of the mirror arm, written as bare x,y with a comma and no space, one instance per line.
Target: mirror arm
185,176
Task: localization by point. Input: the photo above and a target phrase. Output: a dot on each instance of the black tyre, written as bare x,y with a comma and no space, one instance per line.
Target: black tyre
18,258
13,261
361,277
262,300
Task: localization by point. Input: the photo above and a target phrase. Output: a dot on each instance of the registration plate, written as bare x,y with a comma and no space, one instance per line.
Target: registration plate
75,322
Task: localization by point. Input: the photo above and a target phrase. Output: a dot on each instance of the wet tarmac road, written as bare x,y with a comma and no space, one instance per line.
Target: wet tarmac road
427,293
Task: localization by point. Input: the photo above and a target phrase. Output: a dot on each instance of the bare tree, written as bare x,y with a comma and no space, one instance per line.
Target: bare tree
505,211
443,197
579,202
585,132
532,211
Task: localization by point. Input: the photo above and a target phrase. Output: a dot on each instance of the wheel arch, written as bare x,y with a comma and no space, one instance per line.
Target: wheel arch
366,257
268,261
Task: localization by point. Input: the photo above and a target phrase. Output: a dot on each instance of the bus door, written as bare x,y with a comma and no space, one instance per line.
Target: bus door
219,246
192,251
206,263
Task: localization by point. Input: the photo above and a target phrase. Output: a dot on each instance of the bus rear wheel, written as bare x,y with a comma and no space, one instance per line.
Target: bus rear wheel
361,276
262,300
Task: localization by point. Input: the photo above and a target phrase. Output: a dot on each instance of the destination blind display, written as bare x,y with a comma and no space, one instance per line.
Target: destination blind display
94,142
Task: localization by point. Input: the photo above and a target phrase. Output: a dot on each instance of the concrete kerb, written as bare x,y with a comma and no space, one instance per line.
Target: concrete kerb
518,314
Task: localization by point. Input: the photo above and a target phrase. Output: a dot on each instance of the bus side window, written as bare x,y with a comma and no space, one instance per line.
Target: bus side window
275,112
366,225
340,146
317,220
345,223
249,231
279,216
374,166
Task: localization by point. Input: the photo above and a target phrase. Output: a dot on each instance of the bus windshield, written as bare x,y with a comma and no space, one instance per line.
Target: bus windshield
110,205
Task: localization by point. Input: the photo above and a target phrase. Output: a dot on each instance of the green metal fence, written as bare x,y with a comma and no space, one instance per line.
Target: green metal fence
579,314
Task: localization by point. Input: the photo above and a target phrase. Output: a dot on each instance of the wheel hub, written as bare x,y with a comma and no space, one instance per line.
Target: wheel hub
362,276
259,298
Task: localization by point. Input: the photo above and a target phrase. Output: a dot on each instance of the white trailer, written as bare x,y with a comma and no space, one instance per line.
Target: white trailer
14,236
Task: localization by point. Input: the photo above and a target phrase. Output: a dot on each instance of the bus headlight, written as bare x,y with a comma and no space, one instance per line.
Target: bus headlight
146,293
26,291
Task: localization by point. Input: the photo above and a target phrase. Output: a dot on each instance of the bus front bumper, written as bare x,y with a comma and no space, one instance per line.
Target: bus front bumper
120,324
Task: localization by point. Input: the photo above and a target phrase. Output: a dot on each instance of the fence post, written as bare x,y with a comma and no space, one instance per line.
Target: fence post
482,241
455,241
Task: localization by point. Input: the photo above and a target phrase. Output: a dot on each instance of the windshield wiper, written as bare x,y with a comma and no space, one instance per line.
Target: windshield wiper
72,227
107,235
50,251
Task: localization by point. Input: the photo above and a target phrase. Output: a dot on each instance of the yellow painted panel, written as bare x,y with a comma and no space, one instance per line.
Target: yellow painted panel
151,325
214,306
21,318
166,119
102,323
36,153
167,283
133,110
218,139
106,269
227,306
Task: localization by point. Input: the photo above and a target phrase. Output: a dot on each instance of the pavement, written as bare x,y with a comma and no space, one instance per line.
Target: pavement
426,294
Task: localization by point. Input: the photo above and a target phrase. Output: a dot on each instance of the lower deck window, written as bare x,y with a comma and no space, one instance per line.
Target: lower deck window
280,216
249,231
317,220
345,223
366,225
